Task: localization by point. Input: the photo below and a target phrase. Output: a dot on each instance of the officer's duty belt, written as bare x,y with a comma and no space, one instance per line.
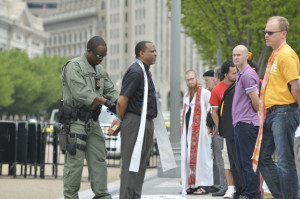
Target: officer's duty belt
80,136
84,115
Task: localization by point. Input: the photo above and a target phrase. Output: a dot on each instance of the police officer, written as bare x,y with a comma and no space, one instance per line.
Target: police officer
86,85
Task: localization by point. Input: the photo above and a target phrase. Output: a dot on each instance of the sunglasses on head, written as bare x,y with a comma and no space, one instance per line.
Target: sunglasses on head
98,56
270,32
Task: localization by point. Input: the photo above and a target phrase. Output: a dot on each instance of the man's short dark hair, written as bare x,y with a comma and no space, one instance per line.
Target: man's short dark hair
141,46
94,42
225,67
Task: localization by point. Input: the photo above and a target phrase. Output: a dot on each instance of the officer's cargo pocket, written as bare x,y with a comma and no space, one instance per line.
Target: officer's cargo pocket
71,143
62,136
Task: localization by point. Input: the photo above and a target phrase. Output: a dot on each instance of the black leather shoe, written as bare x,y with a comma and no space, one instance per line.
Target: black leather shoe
221,192
212,189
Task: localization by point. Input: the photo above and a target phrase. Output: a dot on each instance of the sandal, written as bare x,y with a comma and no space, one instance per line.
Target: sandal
190,190
200,191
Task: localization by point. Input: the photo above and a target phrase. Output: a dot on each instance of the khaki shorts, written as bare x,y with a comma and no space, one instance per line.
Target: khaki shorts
225,156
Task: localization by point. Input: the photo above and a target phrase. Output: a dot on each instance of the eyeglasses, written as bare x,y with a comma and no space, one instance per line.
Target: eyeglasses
271,33
98,56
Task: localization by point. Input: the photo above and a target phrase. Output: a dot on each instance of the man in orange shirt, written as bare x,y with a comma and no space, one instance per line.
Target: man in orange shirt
282,100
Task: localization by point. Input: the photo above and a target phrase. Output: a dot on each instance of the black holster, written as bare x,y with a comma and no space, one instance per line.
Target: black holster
71,148
72,144
96,113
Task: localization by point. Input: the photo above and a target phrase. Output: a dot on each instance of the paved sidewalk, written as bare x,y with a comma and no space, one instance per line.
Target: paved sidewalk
154,188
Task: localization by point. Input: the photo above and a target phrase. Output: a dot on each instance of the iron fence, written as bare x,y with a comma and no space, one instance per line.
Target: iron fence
34,148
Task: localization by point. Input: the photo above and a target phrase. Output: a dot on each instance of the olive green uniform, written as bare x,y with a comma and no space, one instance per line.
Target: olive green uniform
81,85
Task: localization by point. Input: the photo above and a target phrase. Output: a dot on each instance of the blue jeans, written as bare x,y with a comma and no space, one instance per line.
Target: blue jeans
298,162
279,133
245,136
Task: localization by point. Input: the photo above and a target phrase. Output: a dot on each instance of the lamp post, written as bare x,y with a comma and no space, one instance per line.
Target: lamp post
175,88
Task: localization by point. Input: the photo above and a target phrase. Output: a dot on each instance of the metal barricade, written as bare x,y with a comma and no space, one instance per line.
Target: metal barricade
35,146
13,147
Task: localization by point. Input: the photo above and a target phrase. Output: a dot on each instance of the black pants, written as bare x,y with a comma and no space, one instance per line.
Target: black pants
131,182
235,166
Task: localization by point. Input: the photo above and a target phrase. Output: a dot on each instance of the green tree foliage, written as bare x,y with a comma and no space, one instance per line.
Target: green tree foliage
29,85
223,24
6,86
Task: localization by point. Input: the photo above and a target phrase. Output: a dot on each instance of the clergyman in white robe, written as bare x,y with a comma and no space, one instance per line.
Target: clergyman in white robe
204,169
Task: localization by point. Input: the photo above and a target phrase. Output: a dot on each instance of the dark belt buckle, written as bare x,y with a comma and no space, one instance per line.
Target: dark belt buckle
272,108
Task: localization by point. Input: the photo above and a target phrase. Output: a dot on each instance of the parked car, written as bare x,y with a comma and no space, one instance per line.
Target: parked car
53,117
50,126
112,143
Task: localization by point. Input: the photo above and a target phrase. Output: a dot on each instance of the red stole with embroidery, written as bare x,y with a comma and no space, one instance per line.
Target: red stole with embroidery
195,134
